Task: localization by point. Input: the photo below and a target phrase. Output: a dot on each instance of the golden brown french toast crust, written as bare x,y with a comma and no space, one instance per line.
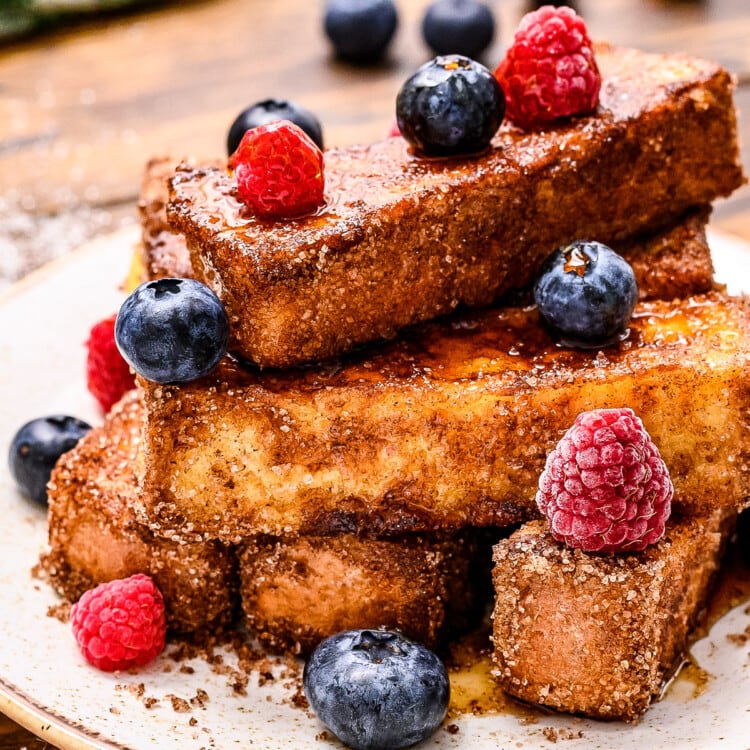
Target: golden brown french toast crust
445,427
673,262
599,634
294,591
163,253
94,536
298,590
403,239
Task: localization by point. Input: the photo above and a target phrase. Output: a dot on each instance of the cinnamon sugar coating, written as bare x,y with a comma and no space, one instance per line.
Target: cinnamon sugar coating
94,536
162,252
404,239
447,426
296,591
672,262
599,634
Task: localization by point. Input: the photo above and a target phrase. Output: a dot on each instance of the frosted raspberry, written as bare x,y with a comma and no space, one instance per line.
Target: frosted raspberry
549,71
605,488
108,375
120,624
279,171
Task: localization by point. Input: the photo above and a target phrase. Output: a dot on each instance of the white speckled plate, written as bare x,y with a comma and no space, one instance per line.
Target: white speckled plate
46,686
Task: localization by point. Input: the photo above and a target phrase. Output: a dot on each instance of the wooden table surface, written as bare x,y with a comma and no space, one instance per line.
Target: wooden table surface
83,107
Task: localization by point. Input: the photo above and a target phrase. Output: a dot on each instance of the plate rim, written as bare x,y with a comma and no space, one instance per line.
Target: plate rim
47,725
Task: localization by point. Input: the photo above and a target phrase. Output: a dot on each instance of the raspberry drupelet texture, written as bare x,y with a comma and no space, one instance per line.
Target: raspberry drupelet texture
279,171
108,375
605,488
549,71
120,624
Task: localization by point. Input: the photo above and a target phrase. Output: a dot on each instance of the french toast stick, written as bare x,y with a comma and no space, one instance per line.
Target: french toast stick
446,427
162,252
599,634
296,591
672,262
293,591
94,538
403,239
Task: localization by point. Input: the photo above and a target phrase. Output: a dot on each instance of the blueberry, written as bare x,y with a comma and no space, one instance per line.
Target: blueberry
586,293
269,110
360,30
462,27
451,105
376,690
36,447
172,330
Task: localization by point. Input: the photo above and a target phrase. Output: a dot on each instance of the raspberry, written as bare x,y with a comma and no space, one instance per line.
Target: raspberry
605,488
108,375
549,71
279,171
120,624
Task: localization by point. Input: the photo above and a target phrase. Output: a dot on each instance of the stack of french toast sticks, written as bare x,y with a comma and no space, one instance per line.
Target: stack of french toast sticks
391,398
